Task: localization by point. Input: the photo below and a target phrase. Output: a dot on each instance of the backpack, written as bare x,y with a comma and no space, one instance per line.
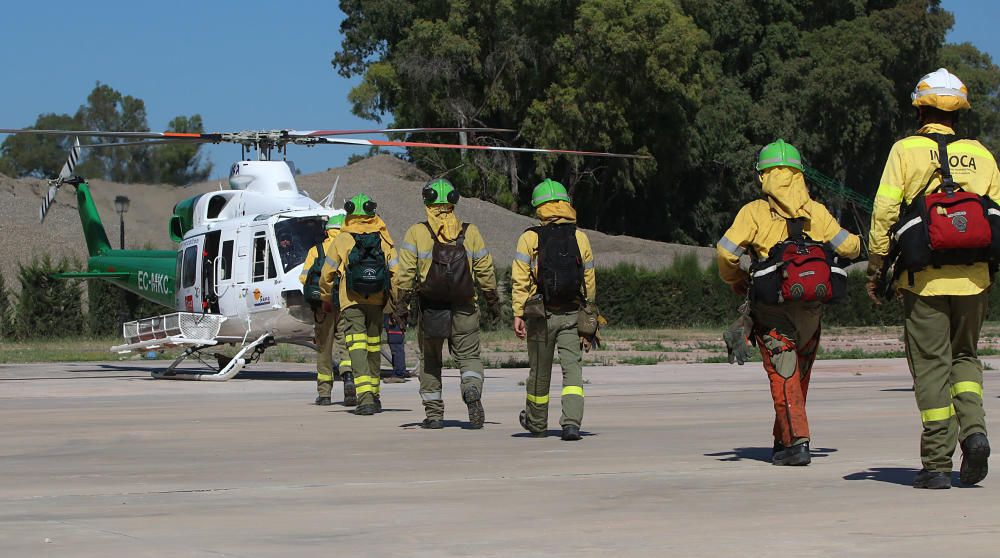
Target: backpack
947,226
560,265
367,272
798,269
449,279
311,287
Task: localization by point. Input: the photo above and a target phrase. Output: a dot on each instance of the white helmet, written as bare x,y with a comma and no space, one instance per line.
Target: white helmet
941,89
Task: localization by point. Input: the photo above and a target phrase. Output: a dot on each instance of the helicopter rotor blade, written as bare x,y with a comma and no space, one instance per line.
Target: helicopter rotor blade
104,134
384,143
321,133
176,141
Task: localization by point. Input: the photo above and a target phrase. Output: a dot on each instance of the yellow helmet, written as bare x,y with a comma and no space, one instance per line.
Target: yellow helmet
942,90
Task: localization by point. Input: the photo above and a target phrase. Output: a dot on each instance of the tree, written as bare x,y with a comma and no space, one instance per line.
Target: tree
6,311
38,156
48,307
111,111
180,163
700,85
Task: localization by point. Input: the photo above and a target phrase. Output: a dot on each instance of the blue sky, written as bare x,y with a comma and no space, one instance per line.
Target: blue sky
245,65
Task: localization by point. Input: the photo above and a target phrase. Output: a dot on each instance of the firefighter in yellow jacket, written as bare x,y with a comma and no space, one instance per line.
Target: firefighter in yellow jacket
787,333
363,258
553,280
423,259
944,307
329,328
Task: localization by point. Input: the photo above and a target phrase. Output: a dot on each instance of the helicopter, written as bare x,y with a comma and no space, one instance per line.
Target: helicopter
234,278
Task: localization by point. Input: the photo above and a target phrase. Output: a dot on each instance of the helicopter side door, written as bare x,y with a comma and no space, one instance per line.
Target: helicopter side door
264,288
189,260
230,278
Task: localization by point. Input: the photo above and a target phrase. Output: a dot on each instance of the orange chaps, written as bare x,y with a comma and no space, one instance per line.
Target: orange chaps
788,368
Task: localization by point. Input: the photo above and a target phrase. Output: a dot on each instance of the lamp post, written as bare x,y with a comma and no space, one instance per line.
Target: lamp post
121,206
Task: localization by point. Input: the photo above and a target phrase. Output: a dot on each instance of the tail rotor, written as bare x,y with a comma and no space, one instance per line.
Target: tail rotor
64,177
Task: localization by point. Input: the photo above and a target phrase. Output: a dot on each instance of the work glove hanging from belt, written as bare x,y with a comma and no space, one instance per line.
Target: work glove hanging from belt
401,310
874,277
493,302
737,337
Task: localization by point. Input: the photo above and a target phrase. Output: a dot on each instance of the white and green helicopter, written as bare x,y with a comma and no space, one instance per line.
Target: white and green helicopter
234,278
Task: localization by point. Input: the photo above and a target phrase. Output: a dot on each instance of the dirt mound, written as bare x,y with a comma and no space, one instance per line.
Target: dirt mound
393,183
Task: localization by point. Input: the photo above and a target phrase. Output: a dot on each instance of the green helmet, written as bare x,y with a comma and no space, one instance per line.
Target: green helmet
439,192
548,190
336,220
779,154
360,205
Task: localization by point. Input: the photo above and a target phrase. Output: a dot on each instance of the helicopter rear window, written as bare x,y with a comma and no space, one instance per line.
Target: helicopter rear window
296,236
190,270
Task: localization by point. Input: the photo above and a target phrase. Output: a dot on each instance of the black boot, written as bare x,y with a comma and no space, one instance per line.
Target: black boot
378,404
523,419
934,480
365,410
432,424
975,454
323,401
350,393
778,448
477,415
571,433
796,455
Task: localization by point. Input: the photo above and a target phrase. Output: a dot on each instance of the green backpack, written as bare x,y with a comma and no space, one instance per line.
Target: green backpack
311,287
367,272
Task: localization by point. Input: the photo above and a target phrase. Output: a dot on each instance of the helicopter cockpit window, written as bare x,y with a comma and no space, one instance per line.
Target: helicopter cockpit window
263,265
189,272
295,237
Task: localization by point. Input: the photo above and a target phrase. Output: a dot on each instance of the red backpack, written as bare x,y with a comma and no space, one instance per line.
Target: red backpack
798,269
947,226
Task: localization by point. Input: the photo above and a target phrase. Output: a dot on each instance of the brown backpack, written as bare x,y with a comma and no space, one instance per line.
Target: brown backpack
449,279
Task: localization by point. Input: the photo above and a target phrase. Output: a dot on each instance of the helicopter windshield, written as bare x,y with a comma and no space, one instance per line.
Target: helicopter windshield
295,237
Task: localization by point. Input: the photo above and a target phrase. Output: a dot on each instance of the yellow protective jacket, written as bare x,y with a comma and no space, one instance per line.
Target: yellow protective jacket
313,253
525,267
336,263
415,259
912,162
761,224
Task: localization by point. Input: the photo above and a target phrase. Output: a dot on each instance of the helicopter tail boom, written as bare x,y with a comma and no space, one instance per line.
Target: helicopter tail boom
93,228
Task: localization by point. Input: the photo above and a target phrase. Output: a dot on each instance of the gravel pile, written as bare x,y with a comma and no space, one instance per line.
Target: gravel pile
393,183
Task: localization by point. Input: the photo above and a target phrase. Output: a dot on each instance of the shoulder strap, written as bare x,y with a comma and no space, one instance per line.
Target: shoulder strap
434,236
942,141
460,241
320,254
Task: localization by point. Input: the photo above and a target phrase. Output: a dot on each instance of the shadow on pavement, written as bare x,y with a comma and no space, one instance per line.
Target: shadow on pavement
910,389
551,433
762,454
464,425
899,475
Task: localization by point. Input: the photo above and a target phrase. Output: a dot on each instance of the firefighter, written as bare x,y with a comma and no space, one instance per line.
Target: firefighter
362,258
787,334
445,290
943,307
329,327
553,279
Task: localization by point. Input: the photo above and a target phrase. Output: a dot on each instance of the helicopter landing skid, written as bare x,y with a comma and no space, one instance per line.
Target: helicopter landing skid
224,368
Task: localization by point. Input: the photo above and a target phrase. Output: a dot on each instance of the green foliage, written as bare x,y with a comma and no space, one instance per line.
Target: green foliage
109,306
48,307
36,155
699,84
6,311
107,110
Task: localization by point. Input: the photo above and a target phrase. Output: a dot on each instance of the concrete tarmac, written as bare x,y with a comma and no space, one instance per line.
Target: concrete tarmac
98,460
